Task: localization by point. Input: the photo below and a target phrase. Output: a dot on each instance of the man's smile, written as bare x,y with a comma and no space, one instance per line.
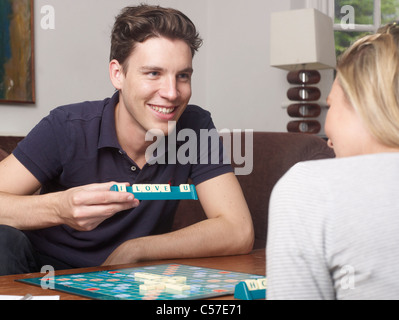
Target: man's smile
162,109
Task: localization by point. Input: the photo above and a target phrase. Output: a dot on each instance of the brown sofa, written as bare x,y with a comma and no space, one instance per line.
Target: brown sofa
273,155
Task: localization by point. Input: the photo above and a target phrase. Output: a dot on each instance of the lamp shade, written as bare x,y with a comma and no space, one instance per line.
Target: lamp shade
302,37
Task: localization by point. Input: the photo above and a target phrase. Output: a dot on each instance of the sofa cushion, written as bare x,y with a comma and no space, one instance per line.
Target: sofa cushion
8,143
273,155
3,154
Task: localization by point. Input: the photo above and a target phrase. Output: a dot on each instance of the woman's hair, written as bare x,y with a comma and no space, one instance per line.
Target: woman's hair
138,24
368,73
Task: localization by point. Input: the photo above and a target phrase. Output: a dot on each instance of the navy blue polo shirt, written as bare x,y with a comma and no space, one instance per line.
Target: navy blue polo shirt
77,145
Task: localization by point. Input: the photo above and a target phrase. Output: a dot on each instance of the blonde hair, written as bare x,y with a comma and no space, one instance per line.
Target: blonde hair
369,75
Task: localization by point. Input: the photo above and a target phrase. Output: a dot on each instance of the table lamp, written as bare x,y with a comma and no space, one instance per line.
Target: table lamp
302,42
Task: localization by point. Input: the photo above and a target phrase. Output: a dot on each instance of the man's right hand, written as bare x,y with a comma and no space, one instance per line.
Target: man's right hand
84,208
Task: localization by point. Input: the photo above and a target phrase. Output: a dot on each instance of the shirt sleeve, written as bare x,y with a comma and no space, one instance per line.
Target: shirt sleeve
296,244
40,151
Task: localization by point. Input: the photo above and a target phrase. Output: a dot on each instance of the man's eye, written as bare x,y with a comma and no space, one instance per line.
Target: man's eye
184,76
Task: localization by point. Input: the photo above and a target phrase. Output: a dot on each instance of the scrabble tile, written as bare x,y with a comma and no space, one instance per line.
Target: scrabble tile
137,188
176,280
147,188
156,277
121,187
184,188
165,188
141,276
262,283
151,287
156,284
177,287
252,284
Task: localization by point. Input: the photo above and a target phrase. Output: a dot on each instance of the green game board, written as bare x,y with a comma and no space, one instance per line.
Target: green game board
121,284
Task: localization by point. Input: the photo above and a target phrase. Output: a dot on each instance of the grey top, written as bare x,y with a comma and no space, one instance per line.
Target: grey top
334,230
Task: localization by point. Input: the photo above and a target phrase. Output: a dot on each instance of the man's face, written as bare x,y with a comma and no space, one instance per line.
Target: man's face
157,85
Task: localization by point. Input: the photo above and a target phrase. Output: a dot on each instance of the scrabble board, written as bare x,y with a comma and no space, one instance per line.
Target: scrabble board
186,283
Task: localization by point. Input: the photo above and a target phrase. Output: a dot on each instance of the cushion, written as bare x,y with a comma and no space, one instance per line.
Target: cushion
3,154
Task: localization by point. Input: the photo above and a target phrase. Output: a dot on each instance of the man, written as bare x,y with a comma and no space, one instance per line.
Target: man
79,151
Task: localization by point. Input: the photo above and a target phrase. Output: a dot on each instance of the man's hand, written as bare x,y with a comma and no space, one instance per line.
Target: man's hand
84,208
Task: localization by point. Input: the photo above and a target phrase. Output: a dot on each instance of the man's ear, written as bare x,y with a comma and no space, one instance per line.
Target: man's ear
116,74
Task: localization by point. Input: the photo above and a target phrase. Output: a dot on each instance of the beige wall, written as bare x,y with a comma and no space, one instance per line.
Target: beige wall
232,76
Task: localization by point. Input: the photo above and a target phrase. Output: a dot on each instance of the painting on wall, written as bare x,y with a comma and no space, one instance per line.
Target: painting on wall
16,51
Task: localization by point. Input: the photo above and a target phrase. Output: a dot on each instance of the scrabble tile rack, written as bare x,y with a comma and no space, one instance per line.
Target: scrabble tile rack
251,289
159,191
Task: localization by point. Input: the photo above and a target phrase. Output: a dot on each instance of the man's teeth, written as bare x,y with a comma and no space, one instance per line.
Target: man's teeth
162,109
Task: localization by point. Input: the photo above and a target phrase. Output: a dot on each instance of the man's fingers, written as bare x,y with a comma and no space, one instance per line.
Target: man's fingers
100,194
87,206
88,217
106,197
103,186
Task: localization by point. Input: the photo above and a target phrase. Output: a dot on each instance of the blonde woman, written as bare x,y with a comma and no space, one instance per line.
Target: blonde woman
334,224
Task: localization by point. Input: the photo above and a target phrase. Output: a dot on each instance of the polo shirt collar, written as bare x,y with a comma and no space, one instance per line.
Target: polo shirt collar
108,137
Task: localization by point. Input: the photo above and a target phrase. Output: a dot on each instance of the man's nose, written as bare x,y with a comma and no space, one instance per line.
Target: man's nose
169,89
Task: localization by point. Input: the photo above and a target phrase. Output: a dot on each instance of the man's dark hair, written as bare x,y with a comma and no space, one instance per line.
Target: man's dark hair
138,24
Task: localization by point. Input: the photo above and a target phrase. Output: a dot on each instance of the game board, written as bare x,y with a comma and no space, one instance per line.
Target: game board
122,284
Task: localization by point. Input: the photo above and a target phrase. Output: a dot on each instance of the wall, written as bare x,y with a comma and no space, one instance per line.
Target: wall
243,90
232,76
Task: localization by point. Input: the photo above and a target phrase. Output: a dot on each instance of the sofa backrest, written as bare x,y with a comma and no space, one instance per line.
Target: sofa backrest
273,155
7,145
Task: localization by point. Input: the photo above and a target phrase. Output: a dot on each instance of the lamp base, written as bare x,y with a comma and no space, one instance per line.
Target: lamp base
304,126
302,96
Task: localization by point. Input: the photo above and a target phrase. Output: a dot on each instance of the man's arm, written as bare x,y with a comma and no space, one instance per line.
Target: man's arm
227,231
82,208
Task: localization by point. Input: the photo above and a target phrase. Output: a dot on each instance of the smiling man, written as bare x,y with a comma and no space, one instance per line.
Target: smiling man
154,90
79,151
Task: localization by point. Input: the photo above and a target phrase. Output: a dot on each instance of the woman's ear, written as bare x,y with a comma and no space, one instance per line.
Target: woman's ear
116,74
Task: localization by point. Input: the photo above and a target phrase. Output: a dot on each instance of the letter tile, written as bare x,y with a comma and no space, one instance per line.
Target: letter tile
252,284
185,188
177,287
121,187
262,283
147,188
176,280
141,276
165,188
148,287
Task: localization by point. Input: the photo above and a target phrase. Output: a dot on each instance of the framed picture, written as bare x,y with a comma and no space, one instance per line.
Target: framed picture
17,78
